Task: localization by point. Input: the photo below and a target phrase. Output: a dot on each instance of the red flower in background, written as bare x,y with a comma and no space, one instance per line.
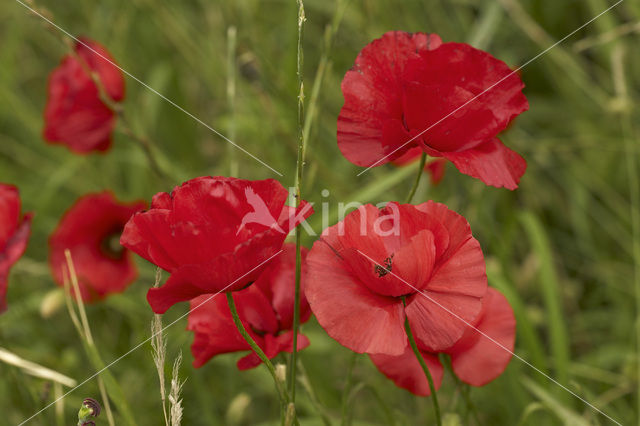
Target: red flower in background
403,84
476,359
90,229
360,303
212,234
75,115
14,233
435,167
265,308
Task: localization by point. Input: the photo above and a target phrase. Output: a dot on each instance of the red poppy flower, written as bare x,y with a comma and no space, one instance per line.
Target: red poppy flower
435,168
14,233
477,358
265,308
424,254
75,115
403,84
212,234
90,229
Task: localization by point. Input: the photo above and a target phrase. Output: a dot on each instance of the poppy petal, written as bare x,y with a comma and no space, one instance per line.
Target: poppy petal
495,89
90,230
406,372
229,272
277,282
75,115
215,332
438,320
477,359
370,122
348,311
12,249
491,162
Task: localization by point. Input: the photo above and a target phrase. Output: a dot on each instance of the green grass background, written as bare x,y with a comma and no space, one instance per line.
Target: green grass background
561,247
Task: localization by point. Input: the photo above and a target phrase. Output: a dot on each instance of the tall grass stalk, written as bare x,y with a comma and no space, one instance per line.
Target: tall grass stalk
299,171
35,370
175,399
173,415
81,322
323,65
159,346
83,329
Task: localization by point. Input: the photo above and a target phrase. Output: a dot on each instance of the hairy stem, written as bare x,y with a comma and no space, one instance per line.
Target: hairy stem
299,166
284,397
423,364
144,143
423,160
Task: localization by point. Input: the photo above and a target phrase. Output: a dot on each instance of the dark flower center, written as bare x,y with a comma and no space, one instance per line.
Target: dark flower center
111,247
387,267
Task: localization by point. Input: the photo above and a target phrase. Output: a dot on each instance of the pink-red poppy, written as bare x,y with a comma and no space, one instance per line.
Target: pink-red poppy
362,270
212,234
14,233
435,168
75,115
403,84
265,308
480,356
91,230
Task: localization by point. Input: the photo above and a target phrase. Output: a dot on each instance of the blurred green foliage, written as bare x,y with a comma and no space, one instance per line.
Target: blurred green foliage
561,247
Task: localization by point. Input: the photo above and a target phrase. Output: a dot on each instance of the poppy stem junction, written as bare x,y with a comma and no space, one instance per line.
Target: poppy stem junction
423,364
284,397
423,160
299,166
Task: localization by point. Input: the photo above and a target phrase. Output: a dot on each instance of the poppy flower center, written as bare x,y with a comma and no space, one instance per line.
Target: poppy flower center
382,271
110,245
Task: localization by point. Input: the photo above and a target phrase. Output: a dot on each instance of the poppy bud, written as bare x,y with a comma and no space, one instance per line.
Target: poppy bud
90,408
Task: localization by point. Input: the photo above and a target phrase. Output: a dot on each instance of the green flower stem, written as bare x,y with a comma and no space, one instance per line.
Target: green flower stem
423,160
323,65
284,397
347,389
465,389
299,166
423,364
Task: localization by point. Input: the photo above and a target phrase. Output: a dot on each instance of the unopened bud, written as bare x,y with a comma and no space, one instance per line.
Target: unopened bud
90,408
